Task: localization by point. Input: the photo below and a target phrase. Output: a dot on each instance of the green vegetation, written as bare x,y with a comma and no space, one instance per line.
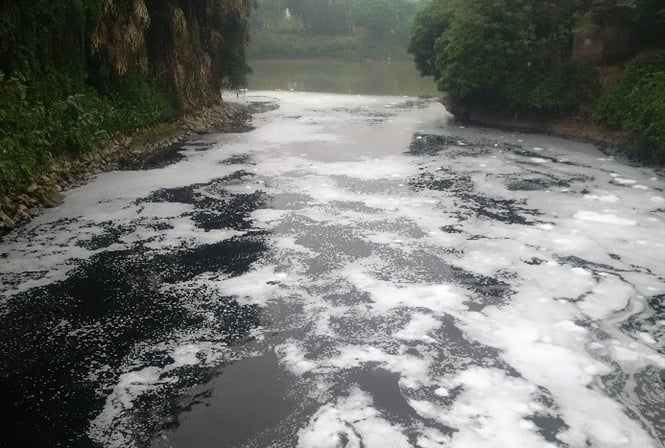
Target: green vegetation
637,103
33,132
428,24
342,29
517,56
509,54
297,45
74,73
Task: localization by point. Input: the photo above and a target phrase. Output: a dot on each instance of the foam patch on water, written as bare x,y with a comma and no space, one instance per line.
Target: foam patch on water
351,422
418,328
492,409
293,356
387,295
604,218
110,426
602,198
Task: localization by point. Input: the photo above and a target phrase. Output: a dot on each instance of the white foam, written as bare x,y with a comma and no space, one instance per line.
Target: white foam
417,328
603,198
110,427
390,295
413,369
604,218
431,438
608,296
646,337
293,357
623,181
256,286
491,411
518,331
559,277
351,422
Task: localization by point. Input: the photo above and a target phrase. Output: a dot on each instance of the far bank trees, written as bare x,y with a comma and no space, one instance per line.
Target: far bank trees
347,29
550,58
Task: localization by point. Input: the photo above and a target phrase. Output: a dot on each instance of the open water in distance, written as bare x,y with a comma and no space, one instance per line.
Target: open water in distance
350,77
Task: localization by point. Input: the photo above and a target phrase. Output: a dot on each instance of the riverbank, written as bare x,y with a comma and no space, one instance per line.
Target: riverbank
574,127
142,149
586,130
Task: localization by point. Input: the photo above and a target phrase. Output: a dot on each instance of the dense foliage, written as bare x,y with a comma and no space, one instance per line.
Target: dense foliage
506,53
516,56
428,24
344,29
32,133
637,102
74,72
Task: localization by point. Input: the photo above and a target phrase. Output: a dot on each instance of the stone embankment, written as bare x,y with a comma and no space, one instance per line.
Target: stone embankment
122,152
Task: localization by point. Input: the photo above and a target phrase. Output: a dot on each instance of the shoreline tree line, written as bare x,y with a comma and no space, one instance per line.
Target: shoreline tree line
602,60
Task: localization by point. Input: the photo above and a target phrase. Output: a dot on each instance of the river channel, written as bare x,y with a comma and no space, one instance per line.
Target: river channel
382,77
356,271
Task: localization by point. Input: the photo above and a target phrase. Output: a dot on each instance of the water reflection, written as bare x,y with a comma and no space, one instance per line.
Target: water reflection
357,77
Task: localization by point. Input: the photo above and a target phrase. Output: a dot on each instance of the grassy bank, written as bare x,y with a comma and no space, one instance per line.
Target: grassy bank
36,129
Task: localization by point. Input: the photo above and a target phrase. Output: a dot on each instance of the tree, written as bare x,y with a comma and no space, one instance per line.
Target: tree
379,17
651,22
327,17
428,25
509,53
486,41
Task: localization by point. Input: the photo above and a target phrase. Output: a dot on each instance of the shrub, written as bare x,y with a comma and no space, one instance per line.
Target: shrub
428,24
558,89
508,54
485,42
637,103
33,131
271,44
24,144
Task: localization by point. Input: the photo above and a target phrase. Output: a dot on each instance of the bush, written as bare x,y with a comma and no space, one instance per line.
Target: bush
33,132
135,104
428,24
637,103
506,54
558,89
24,144
485,42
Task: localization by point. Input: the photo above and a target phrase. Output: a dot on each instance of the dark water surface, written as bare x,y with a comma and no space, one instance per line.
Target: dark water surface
356,271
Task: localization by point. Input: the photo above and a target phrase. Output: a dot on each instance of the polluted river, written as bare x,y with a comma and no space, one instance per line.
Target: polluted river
356,271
